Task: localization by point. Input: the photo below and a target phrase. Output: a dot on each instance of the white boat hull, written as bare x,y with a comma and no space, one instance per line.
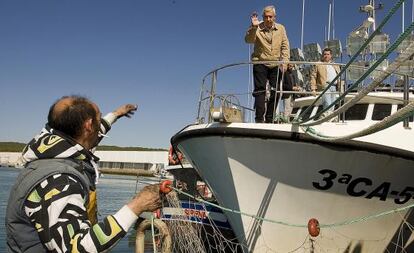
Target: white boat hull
280,176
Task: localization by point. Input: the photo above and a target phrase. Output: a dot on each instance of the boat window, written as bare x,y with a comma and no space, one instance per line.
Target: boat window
401,106
295,110
381,111
356,112
308,113
318,111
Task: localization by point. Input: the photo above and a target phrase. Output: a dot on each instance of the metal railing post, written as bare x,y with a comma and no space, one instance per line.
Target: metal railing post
406,99
212,93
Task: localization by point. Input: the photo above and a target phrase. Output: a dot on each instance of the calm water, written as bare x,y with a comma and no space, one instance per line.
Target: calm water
113,193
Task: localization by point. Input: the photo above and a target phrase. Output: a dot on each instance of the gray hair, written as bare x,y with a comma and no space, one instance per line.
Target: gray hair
269,8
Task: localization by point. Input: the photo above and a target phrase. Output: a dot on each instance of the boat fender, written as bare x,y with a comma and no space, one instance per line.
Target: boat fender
174,158
165,186
165,236
313,227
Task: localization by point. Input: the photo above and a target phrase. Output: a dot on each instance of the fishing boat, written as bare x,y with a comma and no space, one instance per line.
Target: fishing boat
312,184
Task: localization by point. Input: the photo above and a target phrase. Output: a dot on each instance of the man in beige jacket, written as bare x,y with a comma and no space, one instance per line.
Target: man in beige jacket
270,44
322,75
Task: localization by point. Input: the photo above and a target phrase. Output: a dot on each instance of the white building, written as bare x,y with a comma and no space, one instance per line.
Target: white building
153,160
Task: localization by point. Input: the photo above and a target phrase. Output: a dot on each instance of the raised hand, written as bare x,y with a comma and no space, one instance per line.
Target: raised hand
255,19
126,110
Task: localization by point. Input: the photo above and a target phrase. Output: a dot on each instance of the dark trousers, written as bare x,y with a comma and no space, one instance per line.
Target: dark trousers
261,74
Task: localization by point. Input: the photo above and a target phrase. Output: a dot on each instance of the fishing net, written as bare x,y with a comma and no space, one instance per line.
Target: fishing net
193,227
190,234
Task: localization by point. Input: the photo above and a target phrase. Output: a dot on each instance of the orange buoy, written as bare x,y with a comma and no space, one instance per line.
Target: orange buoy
165,186
174,157
313,227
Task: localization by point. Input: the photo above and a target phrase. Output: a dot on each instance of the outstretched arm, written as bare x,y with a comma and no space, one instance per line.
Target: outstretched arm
126,110
59,213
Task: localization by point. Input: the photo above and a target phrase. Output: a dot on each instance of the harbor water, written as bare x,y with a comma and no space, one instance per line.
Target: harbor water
113,192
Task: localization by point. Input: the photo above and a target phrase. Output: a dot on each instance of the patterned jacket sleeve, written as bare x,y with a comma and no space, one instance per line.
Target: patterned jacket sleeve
57,210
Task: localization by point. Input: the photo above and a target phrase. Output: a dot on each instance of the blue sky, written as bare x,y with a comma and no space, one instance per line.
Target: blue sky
152,53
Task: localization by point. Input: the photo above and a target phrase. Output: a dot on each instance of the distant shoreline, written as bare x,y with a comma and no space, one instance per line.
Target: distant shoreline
126,172
18,147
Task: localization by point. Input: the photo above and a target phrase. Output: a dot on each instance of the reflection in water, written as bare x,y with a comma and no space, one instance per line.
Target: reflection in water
113,192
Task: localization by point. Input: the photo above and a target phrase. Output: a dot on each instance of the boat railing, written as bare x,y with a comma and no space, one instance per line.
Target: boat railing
379,70
217,105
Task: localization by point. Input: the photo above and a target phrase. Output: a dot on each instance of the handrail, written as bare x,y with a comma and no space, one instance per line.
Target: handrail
370,38
301,63
398,61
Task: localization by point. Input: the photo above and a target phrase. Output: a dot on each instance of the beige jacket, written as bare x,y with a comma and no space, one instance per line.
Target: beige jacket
269,44
318,77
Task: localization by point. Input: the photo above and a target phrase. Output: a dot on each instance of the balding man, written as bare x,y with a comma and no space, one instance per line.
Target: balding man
270,44
52,206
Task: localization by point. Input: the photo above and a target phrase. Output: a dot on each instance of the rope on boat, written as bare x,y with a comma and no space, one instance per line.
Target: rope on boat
166,241
391,120
354,57
404,56
331,225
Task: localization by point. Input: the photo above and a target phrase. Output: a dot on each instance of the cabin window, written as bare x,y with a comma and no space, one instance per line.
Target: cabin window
411,117
308,113
295,110
356,112
381,111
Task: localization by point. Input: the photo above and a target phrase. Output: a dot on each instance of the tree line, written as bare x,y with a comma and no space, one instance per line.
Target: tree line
18,147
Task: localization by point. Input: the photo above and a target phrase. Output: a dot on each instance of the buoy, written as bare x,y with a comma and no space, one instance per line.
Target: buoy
166,241
313,227
174,156
165,186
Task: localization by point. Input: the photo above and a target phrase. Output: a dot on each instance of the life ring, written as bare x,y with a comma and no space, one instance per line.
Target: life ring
174,158
166,240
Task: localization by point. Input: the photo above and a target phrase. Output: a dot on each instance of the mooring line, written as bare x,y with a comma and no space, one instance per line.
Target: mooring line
338,224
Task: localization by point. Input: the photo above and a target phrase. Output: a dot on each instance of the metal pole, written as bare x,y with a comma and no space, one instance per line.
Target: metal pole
374,26
303,23
403,17
249,88
212,94
333,19
329,21
406,98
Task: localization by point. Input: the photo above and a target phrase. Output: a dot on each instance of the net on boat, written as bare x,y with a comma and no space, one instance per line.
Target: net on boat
189,235
388,231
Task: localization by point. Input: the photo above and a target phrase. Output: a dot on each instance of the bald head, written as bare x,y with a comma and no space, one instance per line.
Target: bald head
69,113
